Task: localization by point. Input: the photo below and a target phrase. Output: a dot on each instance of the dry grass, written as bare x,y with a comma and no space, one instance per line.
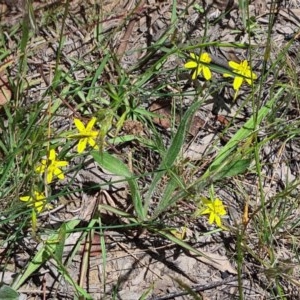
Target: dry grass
122,223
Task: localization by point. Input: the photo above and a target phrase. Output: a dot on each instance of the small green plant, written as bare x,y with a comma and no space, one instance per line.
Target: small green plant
81,118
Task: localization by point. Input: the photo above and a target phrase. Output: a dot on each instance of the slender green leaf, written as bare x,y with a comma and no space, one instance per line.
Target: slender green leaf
42,255
173,151
119,212
59,249
97,75
242,134
166,197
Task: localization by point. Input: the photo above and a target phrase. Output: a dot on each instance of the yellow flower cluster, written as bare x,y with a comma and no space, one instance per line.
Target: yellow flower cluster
38,201
242,70
200,65
50,167
214,208
86,134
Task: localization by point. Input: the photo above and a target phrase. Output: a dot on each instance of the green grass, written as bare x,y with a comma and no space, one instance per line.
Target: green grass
160,181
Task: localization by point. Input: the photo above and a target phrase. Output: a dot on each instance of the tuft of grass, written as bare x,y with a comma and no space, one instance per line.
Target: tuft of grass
161,184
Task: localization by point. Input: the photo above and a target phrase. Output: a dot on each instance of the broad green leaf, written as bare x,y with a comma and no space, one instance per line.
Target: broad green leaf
232,169
117,167
7,293
111,164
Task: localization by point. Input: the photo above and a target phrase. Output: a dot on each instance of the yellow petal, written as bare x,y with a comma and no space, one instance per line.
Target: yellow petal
92,142
25,198
39,196
193,56
227,75
52,155
218,221
211,218
237,82
205,58
82,145
218,202
94,134
40,169
49,177
194,75
206,73
250,79
191,65
91,124
80,126
244,65
234,65
59,173
39,206
198,71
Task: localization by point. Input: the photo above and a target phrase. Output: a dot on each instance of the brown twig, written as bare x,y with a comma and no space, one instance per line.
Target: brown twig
197,288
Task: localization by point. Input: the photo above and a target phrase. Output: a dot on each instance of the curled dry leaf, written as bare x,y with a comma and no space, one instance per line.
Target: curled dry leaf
163,108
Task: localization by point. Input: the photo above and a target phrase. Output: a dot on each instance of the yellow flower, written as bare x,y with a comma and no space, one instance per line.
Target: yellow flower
86,134
51,167
200,65
243,69
214,208
38,201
